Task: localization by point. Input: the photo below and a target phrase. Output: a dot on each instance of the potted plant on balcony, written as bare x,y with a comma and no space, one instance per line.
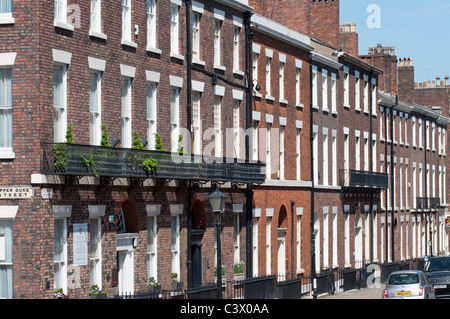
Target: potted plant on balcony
59,294
153,286
96,293
150,164
239,271
224,280
176,283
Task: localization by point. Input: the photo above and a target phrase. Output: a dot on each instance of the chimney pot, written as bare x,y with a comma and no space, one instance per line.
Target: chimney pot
446,81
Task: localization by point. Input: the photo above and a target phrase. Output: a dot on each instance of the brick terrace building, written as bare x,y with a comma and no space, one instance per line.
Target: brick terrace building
352,176
127,67
281,73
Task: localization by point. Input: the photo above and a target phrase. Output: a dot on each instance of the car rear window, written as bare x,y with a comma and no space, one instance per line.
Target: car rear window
403,279
438,265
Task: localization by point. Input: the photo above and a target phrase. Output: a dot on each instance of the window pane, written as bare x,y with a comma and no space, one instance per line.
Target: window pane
5,6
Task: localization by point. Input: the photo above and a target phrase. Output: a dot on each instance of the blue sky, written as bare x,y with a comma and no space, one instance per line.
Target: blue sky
417,29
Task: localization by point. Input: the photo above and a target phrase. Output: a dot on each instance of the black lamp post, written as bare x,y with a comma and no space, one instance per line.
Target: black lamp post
217,201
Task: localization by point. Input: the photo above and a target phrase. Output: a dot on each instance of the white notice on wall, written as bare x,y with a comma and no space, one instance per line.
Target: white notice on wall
80,244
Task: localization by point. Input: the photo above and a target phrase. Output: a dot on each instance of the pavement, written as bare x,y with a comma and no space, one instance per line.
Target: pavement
367,293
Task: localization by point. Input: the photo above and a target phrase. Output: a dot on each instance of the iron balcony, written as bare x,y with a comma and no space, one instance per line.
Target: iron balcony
428,202
99,161
361,179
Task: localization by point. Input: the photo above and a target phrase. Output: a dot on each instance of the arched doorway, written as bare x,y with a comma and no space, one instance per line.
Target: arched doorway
282,231
126,233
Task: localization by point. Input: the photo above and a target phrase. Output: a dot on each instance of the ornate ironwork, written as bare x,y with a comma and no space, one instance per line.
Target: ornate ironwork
108,162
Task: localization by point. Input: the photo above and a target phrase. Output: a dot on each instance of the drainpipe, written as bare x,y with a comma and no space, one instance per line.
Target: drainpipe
392,178
386,197
311,142
371,162
427,200
189,120
248,123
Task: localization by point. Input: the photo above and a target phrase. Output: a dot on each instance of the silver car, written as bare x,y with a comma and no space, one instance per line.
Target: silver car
410,284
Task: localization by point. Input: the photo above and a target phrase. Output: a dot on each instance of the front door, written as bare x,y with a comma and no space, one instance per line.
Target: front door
126,272
196,265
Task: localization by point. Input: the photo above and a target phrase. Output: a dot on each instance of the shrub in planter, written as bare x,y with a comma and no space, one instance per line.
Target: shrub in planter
96,293
153,286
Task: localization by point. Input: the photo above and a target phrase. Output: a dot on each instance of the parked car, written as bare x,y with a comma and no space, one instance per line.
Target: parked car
410,284
437,269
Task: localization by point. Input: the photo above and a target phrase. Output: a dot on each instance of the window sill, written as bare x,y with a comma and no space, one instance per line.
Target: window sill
176,56
62,25
7,155
220,67
326,110
154,50
334,113
129,43
238,72
346,106
199,62
98,35
300,106
270,98
283,101
7,20
258,95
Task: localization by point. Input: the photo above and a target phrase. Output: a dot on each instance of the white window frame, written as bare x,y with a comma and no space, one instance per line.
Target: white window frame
60,14
334,158
325,91
281,81
196,17
236,238
334,93
268,244
298,72
60,118
282,151
60,278
236,49
175,245
268,152
174,117
219,17
152,113
6,254
268,77
255,236
6,146
126,21
174,29
298,153
126,99
346,89
314,87
152,245
217,126
325,156
152,17
196,123
95,253
6,17
96,17
95,108
236,128
357,91
357,150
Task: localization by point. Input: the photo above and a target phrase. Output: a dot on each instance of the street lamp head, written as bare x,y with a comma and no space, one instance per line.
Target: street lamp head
217,200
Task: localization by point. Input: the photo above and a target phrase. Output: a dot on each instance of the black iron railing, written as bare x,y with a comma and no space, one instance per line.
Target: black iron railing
87,160
361,179
428,202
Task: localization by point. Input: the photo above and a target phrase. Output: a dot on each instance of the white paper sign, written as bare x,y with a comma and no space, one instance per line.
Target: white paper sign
80,244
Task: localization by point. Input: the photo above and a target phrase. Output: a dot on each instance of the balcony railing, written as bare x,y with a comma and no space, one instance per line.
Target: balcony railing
99,161
428,202
361,179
